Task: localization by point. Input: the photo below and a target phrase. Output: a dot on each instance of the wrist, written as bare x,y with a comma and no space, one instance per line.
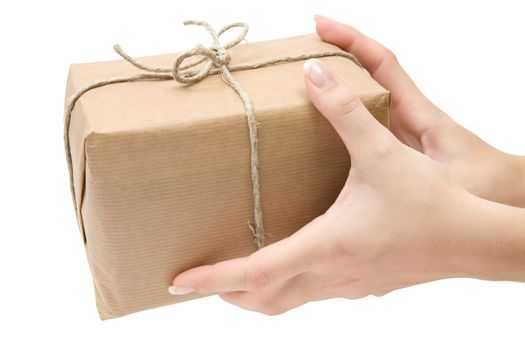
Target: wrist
515,171
503,177
492,244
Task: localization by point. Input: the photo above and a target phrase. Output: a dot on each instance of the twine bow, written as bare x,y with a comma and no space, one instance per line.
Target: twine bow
214,59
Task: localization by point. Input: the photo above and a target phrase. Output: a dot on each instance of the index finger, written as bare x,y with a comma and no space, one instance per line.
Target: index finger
380,62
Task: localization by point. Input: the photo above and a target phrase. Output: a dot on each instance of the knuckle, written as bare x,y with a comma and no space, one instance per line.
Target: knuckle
384,147
255,279
347,105
390,56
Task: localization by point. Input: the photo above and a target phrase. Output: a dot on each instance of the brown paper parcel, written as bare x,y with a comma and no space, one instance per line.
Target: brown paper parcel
162,170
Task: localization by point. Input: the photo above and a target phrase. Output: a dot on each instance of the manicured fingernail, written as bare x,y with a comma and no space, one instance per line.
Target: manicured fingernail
180,290
316,72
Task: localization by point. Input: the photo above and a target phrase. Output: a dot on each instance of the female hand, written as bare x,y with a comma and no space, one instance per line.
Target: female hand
399,220
417,122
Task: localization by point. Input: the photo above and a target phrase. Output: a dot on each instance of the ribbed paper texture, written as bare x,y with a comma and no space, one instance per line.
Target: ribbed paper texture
162,172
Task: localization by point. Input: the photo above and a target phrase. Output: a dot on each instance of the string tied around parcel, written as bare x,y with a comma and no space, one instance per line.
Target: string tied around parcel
202,62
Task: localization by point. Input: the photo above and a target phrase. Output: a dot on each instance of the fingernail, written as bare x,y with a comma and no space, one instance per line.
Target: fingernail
180,290
316,17
316,72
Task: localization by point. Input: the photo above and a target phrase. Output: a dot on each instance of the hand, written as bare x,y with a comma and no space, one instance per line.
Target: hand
399,220
417,122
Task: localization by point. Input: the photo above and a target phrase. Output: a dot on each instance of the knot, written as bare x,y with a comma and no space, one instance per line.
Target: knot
211,59
221,56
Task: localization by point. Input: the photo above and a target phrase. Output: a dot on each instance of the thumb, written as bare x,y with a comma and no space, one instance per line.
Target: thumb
359,130
276,262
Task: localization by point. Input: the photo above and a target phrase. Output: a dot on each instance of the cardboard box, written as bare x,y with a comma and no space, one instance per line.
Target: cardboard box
162,170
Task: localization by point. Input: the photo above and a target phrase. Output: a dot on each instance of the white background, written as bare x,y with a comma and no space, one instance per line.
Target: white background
469,59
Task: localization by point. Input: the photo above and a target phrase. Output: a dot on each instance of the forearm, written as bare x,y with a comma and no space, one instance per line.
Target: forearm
493,248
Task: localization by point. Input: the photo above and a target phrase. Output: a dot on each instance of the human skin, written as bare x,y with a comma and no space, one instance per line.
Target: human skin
421,203
417,122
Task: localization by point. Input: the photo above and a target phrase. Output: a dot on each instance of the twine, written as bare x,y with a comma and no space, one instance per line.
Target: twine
214,59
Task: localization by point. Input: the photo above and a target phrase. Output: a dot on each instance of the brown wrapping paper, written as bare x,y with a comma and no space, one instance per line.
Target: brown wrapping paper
162,172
